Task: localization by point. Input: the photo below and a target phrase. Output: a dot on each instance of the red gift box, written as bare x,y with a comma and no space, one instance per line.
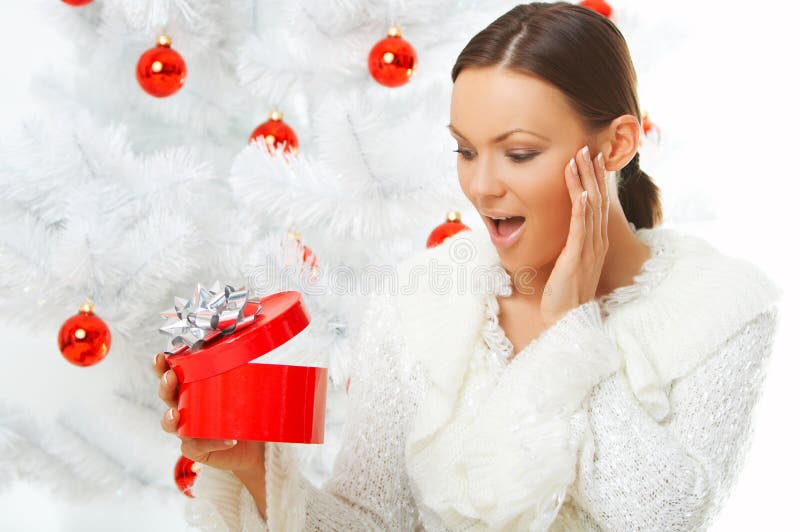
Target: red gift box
223,396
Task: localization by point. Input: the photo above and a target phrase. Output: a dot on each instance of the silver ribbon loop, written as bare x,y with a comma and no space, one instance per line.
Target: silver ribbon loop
208,314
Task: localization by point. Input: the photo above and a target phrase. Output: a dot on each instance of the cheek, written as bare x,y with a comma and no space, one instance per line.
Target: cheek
549,210
545,197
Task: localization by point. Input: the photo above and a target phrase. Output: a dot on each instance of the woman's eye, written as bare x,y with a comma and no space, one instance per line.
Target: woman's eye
522,157
467,155
516,157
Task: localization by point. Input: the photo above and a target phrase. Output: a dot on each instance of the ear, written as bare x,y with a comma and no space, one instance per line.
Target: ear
620,142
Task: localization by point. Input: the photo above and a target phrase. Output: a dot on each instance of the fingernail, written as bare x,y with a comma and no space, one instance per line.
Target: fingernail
573,166
164,377
585,151
584,195
155,359
171,414
600,159
230,442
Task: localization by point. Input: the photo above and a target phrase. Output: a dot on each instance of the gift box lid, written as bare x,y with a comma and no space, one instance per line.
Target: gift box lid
281,317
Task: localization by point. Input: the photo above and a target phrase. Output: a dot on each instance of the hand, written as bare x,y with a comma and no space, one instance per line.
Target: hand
577,270
244,458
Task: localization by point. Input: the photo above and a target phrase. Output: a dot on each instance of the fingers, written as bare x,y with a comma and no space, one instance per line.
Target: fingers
196,449
590,186
573,178
169,421
577,227
168,388
160,364
593,179
588,178
603,180
600,181
168,381
199,449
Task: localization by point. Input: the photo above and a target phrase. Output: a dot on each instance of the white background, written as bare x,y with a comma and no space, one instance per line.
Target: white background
728,99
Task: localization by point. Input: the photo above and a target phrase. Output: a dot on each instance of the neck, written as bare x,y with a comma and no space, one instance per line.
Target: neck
626,254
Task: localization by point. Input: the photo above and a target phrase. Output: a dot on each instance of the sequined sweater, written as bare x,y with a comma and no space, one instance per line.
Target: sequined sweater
633,412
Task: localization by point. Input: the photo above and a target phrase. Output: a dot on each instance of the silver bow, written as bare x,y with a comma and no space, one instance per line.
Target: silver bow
209,314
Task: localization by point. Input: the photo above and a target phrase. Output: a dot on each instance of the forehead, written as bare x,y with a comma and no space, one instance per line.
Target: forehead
490,100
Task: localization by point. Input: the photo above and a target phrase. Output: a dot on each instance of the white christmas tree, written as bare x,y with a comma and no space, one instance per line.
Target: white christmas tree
111,193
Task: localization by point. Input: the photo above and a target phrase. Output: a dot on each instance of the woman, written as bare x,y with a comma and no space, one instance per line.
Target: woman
606,383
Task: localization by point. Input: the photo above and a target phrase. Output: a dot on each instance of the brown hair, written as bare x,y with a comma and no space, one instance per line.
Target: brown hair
584,55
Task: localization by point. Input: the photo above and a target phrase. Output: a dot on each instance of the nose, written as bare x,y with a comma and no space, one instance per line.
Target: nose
485,180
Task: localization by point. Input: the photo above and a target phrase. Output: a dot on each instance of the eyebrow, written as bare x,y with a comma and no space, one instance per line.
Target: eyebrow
500,137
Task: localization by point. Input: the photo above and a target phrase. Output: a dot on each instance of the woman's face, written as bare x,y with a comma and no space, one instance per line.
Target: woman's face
521,173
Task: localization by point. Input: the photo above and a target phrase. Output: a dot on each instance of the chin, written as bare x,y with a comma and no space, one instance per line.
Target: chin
516,259
527,258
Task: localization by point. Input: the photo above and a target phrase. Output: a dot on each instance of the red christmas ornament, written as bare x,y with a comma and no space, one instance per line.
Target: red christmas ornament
598,5
450,227
84,339
392,61
77,3
185,473
651,130
309,257
161,71
274,132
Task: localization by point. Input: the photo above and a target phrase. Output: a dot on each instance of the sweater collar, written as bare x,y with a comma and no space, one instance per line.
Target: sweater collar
681,310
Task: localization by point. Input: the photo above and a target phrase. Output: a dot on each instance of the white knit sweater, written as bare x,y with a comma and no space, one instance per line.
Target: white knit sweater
633,412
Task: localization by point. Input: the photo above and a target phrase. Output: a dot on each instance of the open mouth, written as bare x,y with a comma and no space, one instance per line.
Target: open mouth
507,226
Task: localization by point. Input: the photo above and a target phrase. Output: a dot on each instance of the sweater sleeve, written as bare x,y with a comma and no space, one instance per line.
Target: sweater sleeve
368,488
639,474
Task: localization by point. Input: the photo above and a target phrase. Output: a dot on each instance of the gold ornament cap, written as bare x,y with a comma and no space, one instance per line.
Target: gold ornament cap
164,40
276,115
394,31
453,216
87,306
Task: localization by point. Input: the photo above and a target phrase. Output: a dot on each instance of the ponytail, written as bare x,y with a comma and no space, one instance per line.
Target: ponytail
639,196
